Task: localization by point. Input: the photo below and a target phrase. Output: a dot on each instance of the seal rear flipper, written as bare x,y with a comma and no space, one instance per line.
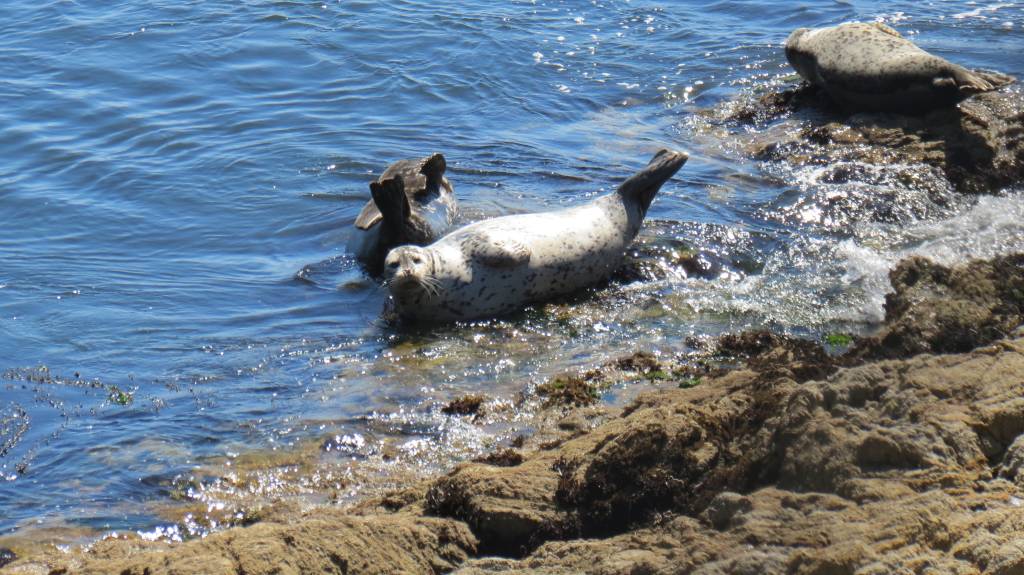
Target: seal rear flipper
503,253
369,216
390,199
642,186
434,166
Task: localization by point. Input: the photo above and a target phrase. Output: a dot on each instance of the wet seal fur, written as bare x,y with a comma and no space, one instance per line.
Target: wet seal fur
411,203
496,266
871,68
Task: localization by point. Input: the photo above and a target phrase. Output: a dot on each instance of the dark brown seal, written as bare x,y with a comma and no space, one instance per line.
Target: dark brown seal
412,203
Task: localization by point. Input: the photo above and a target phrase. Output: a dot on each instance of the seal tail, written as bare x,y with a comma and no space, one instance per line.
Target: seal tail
642,186
389,197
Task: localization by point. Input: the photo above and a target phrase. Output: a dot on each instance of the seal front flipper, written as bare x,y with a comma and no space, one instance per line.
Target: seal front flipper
496,253
390,200
964,80
887,29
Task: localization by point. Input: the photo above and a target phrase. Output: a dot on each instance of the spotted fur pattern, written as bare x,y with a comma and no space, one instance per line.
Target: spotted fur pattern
870,67
499,265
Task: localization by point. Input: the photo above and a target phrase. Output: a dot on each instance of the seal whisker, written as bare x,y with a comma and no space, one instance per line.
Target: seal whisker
431,285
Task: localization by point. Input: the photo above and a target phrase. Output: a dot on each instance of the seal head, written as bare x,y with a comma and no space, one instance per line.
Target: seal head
409,270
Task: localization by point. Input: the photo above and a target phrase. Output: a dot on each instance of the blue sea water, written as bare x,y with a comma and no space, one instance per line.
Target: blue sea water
178,181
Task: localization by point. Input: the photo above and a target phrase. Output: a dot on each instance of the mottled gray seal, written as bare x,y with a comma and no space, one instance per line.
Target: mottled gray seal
870,67
496,266
412,203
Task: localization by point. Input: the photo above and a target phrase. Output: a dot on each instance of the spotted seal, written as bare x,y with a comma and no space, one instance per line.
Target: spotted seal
498,265
411,203
870,67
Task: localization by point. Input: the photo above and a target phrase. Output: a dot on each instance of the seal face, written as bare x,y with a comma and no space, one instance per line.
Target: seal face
412,203
870,67
496,266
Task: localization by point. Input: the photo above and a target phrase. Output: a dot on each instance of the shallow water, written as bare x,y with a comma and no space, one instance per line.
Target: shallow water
178,179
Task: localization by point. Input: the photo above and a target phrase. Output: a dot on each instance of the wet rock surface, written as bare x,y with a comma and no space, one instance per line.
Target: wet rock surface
328,541
902,456
937,309
978,145
465,405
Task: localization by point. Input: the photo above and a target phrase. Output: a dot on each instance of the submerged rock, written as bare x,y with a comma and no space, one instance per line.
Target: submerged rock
568,389
6,556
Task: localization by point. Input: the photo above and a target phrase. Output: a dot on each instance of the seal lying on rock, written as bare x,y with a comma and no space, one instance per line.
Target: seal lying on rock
412,203
496,266
870,67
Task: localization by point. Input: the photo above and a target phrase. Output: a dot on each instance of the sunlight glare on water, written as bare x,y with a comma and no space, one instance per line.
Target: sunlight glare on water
179,181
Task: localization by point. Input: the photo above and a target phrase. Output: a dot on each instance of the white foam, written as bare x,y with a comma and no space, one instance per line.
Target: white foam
979,11
992,227
162,533
815,281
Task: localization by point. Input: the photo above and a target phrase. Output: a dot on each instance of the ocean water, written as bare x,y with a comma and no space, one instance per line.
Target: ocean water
178,181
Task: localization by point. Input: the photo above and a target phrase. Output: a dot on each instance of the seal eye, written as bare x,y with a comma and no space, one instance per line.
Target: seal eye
417,260
393,265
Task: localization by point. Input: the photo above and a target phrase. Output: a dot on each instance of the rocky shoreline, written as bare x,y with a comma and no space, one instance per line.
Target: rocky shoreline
903,455
977,146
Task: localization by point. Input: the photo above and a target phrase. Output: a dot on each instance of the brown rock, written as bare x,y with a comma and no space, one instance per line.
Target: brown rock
978,146
786,356
325,542
465,405
510,509
503,458
936,309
